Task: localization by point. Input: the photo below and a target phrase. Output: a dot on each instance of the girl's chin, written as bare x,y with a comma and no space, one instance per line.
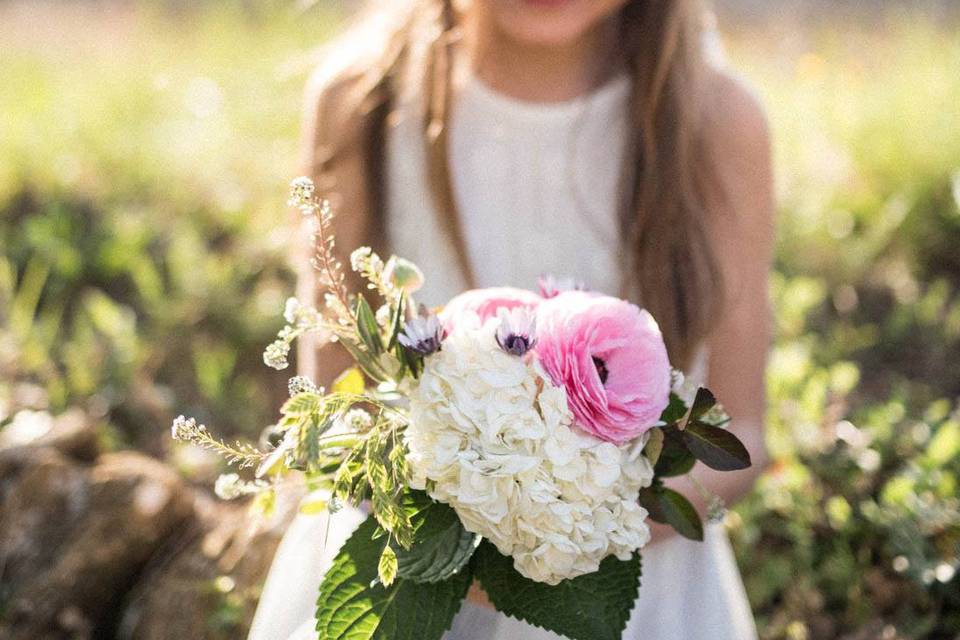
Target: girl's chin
551,22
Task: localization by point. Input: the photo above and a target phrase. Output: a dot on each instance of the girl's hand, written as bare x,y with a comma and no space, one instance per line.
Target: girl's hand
476,595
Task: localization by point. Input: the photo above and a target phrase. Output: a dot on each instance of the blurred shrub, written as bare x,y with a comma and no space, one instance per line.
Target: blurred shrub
143,170
855,531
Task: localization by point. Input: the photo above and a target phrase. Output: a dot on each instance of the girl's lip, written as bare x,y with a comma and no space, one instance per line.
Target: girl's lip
545,4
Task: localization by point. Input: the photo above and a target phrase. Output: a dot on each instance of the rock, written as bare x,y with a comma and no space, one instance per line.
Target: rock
71,433
213,583
76,538
43,496
117,545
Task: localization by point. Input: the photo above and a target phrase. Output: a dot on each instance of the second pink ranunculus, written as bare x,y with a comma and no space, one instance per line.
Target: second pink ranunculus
610,357
485,303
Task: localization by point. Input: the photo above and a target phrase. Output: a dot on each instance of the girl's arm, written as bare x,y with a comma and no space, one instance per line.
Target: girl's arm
331,119
743,229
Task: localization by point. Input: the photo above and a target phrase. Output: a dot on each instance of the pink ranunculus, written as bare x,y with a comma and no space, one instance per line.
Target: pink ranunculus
485,303
610,357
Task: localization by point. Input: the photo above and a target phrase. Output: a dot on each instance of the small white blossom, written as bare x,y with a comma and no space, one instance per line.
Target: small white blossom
358,419
185,428
383,314
300,315
682,387
228,486
290,310
276,353
301,192
301,384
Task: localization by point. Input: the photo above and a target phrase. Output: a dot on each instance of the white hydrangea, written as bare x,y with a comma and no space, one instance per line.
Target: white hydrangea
495,437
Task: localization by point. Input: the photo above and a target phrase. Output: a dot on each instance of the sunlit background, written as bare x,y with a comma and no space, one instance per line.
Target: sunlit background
145,148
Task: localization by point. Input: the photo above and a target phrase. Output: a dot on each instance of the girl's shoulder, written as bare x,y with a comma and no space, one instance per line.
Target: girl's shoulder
737,136
734,116
350,69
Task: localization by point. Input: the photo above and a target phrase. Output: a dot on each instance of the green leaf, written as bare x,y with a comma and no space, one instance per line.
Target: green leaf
367,326
302,404
387,567
675,459
396,323
703,402
354,605
666,506
312,507
654,445
595,606
715,447
441,546
675,410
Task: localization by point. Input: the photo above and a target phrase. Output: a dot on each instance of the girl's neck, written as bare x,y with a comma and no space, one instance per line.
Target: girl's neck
538,73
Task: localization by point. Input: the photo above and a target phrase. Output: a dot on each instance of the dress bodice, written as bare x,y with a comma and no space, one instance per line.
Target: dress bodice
536,187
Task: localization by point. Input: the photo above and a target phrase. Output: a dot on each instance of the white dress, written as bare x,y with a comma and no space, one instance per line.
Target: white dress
535,184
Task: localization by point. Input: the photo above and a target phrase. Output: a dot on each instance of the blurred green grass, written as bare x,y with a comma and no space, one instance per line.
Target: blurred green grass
144,153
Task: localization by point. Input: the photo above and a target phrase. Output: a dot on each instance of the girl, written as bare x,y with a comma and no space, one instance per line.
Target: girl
492,141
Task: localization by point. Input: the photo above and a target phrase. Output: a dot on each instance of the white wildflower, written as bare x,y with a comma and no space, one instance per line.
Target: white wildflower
185,428
276,353
360,258
301,192
358,419
301,384
228,486
300,315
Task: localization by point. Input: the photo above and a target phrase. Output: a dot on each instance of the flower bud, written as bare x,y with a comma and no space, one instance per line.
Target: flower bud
403,274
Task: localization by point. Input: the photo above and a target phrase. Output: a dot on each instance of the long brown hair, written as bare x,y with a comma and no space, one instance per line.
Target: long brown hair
667,179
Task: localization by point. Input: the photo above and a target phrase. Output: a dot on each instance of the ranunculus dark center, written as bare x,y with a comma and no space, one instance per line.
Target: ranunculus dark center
602,370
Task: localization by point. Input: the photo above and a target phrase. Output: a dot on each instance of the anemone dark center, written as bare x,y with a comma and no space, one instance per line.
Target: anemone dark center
602,370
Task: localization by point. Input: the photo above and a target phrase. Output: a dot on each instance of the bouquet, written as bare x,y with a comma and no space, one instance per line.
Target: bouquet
516,438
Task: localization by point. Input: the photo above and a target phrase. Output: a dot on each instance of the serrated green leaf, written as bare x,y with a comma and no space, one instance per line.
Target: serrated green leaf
666,506
675,459
354,605
387,567
441,546
715,447
302,404
595,606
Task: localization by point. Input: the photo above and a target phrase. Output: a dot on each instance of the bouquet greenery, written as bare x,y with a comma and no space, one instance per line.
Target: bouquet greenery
516,438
